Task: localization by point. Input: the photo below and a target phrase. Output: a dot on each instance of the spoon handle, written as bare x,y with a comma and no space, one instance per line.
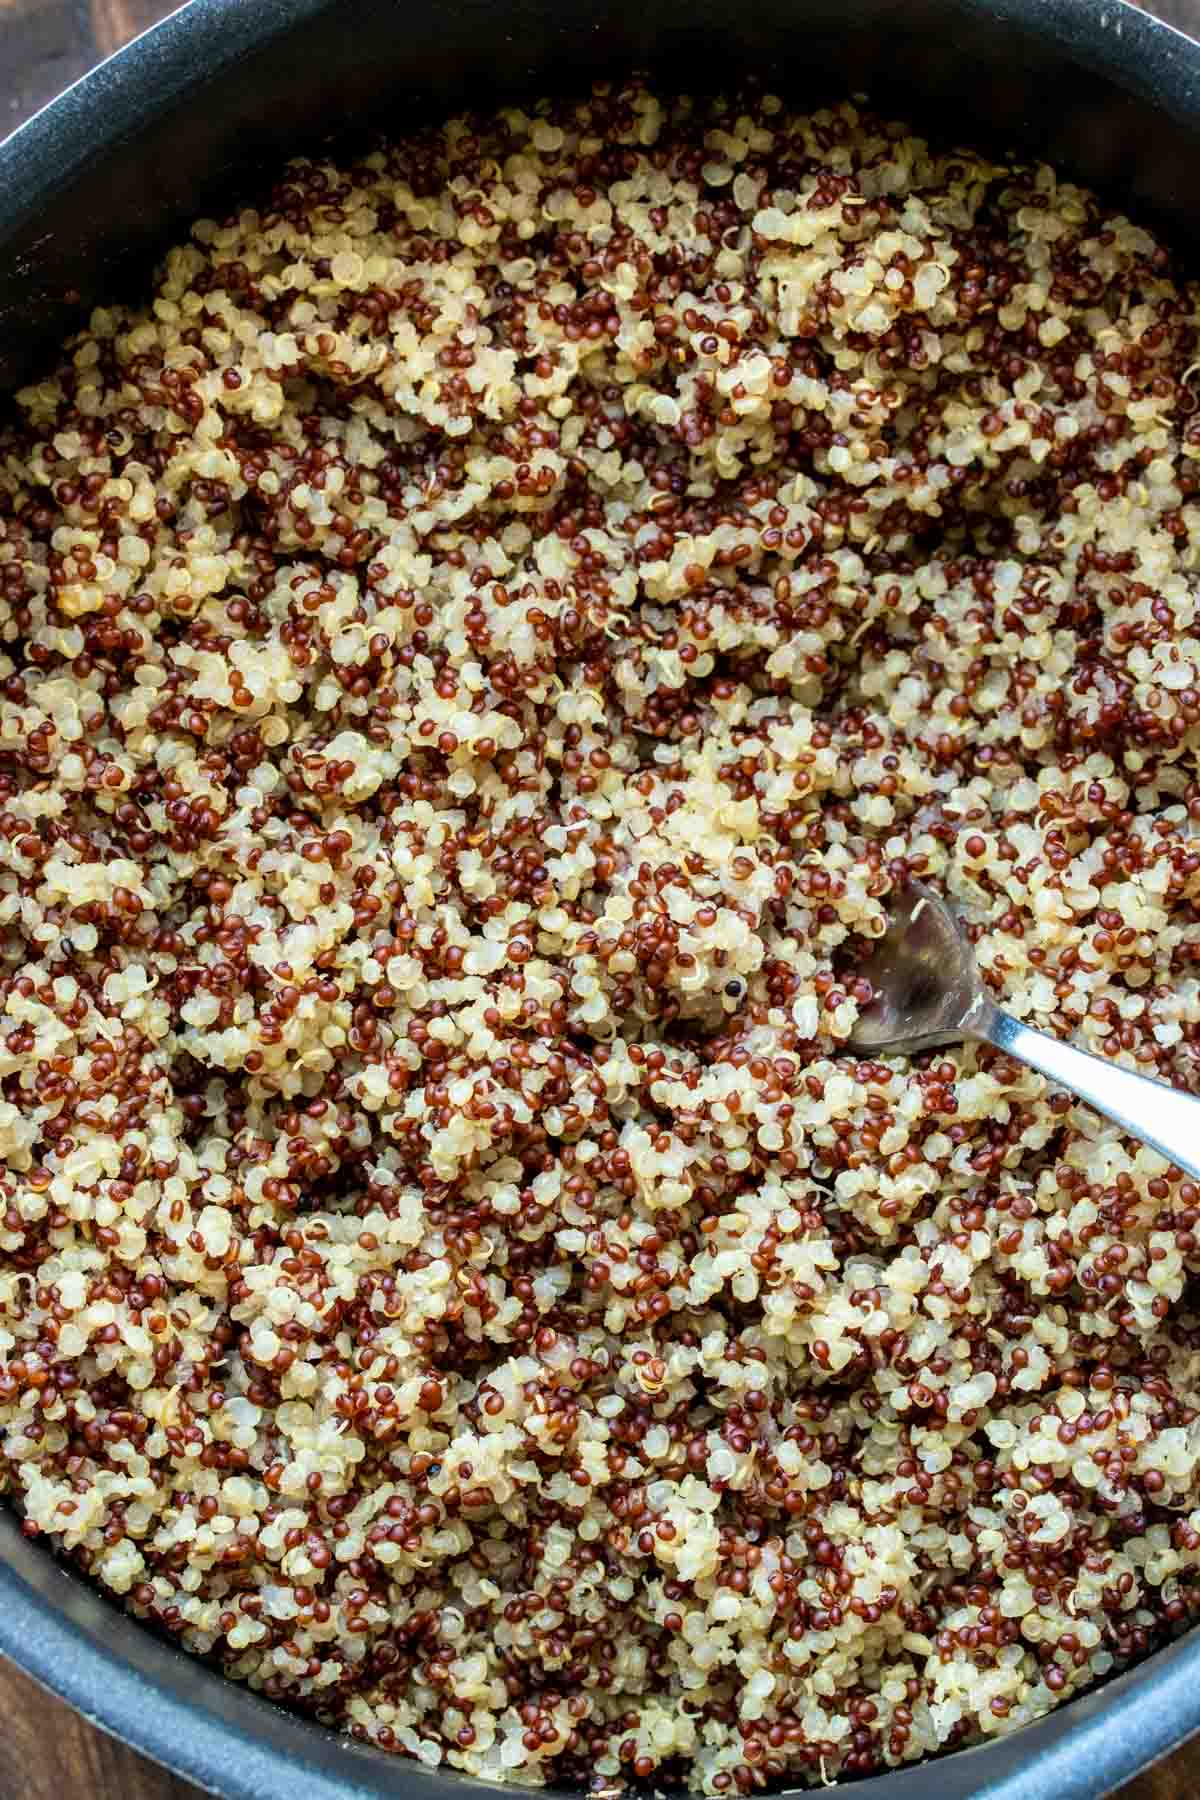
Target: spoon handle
1162,1116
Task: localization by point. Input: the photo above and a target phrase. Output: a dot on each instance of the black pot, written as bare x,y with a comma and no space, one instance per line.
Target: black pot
95,186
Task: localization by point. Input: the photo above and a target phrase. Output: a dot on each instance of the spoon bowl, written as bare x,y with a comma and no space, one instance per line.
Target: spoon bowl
928,990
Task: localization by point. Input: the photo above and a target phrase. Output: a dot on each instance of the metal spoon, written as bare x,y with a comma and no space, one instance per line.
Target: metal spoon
928,990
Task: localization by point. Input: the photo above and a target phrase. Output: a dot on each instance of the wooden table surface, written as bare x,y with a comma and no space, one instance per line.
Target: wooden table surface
46,1751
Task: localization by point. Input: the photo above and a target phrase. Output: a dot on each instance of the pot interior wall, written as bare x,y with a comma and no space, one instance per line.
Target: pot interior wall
93,190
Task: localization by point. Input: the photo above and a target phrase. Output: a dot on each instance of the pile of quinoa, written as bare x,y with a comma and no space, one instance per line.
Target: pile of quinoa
479,649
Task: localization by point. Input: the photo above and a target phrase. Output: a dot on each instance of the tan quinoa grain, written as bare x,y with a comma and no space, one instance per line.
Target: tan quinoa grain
479,648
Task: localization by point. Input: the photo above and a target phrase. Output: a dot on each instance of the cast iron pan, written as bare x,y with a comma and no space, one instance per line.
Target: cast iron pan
93,188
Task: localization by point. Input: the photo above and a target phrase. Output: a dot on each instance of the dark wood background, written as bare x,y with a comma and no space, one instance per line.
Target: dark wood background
47,1752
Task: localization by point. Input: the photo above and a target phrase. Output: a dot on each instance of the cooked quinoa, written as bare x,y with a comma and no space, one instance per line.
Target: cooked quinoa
480,648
